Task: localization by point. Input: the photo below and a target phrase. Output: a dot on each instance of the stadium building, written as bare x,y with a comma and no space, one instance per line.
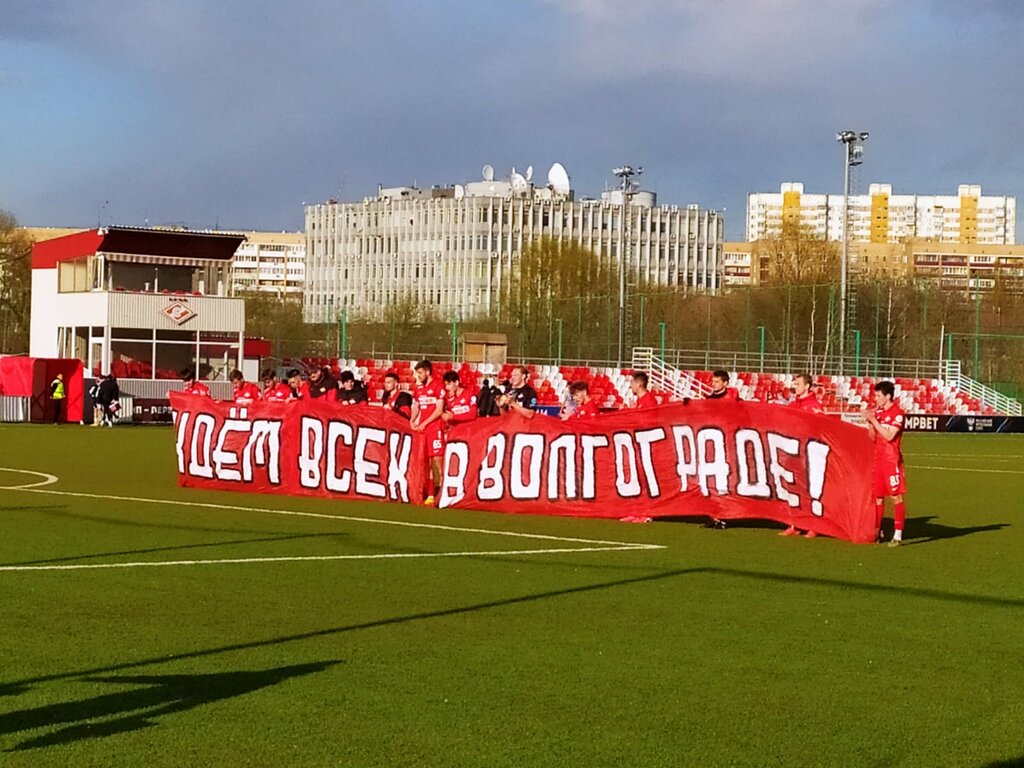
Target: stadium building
138,303
882,217
453,248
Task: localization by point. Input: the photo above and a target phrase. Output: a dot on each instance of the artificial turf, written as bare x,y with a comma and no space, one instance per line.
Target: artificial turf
731,647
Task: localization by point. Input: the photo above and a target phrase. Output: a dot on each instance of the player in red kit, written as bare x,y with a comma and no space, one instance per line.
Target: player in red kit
299,388
191,386
803,400
644,399
885,425
243,392
721,392
586,408
427,407
460,403
275,391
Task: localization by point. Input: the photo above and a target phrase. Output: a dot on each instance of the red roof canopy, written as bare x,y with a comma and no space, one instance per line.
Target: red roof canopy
144,242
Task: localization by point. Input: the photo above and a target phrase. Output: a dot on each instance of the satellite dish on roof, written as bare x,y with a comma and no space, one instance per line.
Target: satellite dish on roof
519,182
558,179
488,172
529,173
460,191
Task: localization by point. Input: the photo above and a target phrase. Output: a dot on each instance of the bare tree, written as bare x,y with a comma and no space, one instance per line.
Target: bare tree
15,285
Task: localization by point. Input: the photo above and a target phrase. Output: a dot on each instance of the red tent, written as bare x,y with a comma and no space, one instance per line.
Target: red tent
31,377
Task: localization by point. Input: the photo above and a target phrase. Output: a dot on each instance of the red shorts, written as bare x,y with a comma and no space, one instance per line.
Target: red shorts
435,442
889,480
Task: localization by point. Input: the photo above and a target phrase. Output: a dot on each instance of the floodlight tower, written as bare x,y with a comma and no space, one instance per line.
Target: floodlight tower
853,155
625,174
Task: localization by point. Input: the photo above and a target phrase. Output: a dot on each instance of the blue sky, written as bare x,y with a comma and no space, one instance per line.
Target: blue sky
234,113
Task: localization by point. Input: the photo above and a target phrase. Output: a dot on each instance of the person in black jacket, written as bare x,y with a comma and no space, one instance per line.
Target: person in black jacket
521,397
487,399
350,391
398,400
109,396
322,384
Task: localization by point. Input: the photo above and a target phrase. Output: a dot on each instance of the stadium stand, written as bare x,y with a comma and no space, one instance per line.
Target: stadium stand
610,386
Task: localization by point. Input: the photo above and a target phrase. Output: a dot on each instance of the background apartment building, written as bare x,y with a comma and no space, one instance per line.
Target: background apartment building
271,262
882,217
453,249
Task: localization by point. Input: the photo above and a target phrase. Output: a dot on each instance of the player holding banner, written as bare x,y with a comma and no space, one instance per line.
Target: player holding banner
803,400
460,403
885,426
427,406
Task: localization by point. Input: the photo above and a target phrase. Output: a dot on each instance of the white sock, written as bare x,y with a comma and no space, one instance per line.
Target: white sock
897,536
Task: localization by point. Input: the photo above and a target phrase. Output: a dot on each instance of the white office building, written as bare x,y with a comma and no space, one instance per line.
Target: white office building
882,217
454,248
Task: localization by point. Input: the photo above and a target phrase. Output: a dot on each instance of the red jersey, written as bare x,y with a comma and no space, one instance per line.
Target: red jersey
646,400
586,411
888,452
279,393
247,394
462,407
427,396
808,403
302,393
197,388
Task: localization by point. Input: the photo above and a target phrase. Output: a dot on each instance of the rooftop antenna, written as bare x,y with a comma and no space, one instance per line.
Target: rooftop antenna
558,179
99,214
529,173
488,172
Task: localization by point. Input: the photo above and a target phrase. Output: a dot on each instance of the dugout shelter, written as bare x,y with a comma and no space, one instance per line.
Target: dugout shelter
25,388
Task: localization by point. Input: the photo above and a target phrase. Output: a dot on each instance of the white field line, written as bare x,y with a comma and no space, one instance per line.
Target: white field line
379,556
969,469
346,518
47,479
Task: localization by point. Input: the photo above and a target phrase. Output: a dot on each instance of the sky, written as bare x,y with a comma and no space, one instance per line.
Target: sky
233,114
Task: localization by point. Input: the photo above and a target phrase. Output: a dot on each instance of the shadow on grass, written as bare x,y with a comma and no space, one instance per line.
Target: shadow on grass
16,687
262,539
1013,762
46,507
921,530
151,697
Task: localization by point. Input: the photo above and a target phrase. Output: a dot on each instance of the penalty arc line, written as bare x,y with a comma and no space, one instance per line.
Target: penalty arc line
346,518
305,558
48,479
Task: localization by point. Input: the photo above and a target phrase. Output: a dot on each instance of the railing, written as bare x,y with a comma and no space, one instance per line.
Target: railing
665,378
15,409
852,365
952,373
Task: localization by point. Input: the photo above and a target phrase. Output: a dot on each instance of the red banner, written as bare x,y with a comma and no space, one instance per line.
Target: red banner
726,460
307,448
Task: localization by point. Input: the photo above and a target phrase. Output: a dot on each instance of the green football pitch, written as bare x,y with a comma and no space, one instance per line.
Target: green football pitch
146,625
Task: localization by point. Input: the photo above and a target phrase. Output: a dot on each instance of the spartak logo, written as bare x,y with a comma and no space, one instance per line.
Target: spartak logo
178,312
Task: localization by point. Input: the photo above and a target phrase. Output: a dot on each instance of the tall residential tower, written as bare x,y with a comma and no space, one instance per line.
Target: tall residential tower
882,217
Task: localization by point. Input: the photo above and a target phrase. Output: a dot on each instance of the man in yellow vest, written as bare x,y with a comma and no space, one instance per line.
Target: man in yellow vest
57,395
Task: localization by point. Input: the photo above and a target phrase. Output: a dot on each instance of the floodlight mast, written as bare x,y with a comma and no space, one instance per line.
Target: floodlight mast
625,174
853,152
